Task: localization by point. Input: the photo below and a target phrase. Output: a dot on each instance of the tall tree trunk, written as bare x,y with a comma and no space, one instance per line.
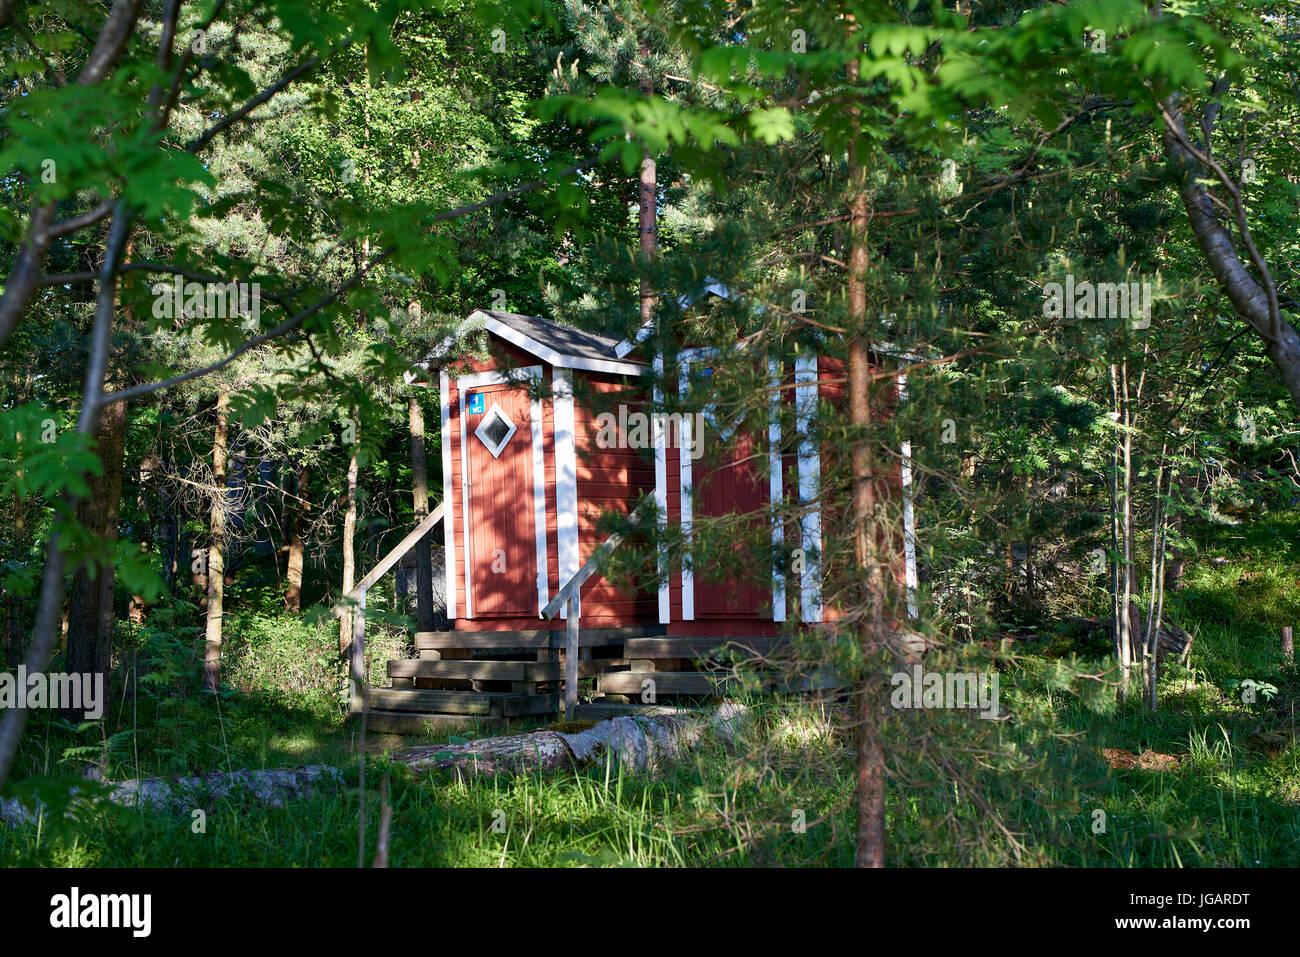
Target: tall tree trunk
1254,297
349,554
15,631
146,505
297,541
169,532
13,607
420,490
1118,540
89,622
648,195
870,747
50,604
90,597
216,551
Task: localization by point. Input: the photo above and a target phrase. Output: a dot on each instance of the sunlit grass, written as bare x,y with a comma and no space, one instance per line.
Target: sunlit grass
782,796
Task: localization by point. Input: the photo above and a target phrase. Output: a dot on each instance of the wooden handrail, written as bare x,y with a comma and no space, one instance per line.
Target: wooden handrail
570,588
569,597
389,560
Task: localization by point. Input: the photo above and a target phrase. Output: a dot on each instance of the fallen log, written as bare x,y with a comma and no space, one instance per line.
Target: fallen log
270,787
639,743
1172,642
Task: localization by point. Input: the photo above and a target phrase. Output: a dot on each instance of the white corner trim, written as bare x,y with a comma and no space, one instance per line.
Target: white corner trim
566,474
464,501
909,517
539,498
626,346
448,497
774,491
518,376
686,442
463,329
805,398
661,494
557,359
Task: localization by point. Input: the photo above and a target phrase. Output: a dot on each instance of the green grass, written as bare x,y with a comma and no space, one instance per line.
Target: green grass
1233,799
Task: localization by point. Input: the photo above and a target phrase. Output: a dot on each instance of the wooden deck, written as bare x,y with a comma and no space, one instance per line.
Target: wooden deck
495,674
513,674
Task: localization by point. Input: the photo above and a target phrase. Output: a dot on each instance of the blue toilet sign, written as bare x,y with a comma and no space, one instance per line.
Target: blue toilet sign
476,403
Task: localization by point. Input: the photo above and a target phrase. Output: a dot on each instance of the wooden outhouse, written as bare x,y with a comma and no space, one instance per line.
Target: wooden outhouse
526,477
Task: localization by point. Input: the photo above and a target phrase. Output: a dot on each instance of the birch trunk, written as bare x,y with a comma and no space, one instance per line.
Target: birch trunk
349,554
216,551
297,541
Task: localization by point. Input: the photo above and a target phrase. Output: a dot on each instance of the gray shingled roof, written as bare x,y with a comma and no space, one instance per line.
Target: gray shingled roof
563,339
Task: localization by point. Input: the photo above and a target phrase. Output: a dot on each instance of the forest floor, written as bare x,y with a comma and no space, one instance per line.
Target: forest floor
1208,780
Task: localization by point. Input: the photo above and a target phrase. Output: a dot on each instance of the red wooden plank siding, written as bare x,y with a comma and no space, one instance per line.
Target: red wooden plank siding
609,480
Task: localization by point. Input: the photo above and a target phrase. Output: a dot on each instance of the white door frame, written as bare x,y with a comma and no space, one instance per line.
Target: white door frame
684,359
518,376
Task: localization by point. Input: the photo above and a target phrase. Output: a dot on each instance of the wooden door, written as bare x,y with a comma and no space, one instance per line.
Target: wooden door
498,458
724,485
733,487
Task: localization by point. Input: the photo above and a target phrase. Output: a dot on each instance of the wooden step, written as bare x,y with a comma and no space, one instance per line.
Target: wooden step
706,683
486,704
429,702
541,638
516,705
485,670
691,647
665,683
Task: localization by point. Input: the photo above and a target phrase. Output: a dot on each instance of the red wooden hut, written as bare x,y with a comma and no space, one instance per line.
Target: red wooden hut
525,481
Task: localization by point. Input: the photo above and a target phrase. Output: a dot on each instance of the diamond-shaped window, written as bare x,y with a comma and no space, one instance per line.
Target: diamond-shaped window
495,430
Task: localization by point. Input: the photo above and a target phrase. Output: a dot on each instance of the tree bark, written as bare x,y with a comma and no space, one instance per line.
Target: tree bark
146,501
50,605
216,551
15,631
90,597
639,743
349,554
169,532
297,541
270,788
870,785
420,493
13,606
23,279
1253,297
648,225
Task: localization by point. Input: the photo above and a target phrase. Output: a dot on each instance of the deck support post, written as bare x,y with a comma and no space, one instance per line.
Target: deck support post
571,657
358,678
